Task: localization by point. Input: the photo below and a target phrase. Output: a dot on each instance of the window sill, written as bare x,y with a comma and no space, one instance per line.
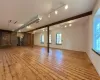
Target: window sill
96,52
42,43
58,44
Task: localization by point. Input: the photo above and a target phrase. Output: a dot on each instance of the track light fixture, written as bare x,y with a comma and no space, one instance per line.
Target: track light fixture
15,22
66,6
35,19
56,10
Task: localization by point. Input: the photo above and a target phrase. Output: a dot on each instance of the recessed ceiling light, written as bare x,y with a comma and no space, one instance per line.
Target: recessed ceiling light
56,12
40,18
28,27
70,25
19,31
65,26
49,15
66,6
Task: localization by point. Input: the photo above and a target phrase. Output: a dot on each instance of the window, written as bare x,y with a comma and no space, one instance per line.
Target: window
49,38
58,38
96,35
42,38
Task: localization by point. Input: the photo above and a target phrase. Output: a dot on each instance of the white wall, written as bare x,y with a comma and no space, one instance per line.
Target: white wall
37,39
93,56
73,38
78,38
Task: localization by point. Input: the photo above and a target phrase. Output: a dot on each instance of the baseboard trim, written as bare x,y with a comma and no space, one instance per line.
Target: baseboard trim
59,48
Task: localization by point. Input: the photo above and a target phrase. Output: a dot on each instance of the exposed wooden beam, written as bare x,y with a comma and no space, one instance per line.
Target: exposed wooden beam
65,20
5,30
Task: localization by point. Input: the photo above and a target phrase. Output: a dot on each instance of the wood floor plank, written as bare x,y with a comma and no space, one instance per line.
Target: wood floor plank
25,63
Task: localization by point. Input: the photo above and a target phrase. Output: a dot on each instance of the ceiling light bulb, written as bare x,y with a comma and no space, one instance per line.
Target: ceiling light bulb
56,12
40,18
49,15
28,27
65,26
66,6
19,31
70,25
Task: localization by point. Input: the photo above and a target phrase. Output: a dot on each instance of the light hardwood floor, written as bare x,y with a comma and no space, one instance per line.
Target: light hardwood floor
24,63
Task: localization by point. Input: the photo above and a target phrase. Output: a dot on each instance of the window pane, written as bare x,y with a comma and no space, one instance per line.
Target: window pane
96,34
50,38
58,38
42,38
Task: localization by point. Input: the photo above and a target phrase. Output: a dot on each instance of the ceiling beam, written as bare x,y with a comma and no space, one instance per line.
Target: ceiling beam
65,20
1,30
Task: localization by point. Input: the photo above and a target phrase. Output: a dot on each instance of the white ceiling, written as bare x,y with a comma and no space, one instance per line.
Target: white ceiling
23,10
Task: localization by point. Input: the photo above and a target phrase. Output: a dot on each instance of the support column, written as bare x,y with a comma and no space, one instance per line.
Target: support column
32,40
48,39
